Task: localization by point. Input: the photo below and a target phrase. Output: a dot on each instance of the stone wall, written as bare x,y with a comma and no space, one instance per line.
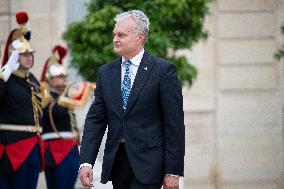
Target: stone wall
234,110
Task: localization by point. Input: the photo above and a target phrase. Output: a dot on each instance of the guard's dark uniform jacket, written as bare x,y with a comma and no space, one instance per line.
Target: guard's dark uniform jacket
60,134
20,119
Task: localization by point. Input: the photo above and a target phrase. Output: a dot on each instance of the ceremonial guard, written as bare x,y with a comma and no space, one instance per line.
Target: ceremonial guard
60,133
20,112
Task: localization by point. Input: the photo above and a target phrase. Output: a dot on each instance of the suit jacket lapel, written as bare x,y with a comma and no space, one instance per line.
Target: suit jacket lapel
116,83
143,72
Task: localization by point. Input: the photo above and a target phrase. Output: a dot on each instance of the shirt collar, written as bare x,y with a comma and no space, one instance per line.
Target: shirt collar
136,60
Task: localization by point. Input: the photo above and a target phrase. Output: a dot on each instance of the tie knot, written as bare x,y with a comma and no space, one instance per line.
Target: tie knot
127,63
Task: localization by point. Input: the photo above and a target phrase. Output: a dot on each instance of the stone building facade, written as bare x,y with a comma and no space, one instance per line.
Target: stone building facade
234,110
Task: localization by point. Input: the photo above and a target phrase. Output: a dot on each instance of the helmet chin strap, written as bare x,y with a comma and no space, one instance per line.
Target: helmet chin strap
25,68
57,90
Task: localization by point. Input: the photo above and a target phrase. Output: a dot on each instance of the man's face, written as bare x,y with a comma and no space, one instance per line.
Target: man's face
127,40
26,60
58,83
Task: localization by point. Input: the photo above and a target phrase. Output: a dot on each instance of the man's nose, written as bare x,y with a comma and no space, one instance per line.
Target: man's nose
115,39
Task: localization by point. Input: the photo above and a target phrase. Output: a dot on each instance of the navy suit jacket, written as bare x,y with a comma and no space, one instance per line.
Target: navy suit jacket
152,124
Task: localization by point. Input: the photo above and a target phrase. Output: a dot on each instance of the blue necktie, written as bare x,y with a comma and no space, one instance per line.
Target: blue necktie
126,85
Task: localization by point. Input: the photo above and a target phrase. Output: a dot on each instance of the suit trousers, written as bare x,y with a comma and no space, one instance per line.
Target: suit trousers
122,175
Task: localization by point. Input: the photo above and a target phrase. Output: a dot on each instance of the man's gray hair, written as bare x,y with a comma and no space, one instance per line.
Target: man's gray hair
142,21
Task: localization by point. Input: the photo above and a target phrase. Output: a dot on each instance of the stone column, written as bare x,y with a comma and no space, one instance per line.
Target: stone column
200,112
5,25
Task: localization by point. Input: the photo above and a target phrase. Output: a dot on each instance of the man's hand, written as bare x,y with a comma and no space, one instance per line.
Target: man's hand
171,182
86,176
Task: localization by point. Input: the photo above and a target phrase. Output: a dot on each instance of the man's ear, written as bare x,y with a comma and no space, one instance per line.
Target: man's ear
141,37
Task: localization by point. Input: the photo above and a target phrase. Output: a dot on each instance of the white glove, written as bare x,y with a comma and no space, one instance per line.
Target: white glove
13,61
11,66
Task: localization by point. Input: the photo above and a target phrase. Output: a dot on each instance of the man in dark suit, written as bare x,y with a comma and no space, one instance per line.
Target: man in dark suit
139,99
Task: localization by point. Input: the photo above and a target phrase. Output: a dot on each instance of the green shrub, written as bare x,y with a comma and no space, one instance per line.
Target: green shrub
174,24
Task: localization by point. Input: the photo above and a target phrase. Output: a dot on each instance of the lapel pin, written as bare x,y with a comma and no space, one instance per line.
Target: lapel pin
145,68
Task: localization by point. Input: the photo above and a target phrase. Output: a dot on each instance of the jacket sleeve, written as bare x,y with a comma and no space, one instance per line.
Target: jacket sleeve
173,120
95,126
